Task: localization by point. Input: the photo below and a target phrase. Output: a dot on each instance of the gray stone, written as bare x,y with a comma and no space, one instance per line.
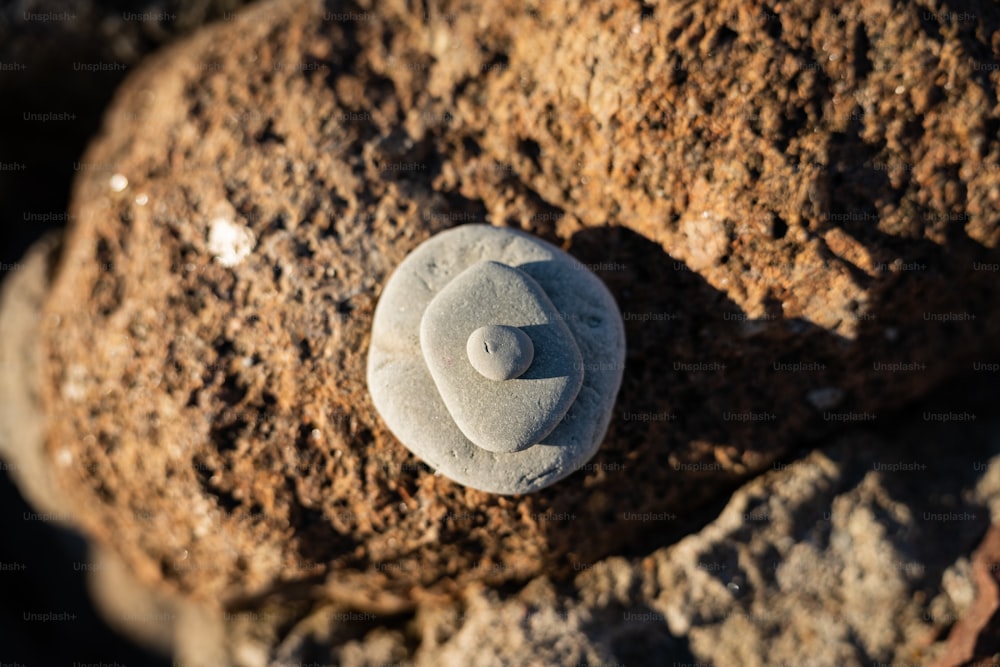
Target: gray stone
406,392
22,441
500,416
500,352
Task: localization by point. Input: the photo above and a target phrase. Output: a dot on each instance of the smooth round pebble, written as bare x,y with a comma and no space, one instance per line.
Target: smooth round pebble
500,352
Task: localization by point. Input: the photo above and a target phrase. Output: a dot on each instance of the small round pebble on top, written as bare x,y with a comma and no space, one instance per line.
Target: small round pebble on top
500,352
496,358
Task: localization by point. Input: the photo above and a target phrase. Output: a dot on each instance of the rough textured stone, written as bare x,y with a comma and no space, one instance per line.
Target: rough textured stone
45,562
782,204
21,415
52,53
857,553
778,198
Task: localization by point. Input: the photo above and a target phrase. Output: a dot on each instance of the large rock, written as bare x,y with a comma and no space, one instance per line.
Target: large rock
723,171
22,428
856,554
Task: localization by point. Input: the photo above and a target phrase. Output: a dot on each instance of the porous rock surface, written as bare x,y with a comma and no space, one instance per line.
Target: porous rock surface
67,57
856,554
792,206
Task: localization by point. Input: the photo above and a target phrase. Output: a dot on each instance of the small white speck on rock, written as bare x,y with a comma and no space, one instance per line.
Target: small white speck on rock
229,242
118,182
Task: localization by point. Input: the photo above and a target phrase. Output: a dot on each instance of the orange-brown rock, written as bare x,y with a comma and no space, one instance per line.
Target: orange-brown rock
795,207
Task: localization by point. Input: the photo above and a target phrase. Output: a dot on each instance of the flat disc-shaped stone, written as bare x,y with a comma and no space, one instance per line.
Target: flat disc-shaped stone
514,414
406,395
500,352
